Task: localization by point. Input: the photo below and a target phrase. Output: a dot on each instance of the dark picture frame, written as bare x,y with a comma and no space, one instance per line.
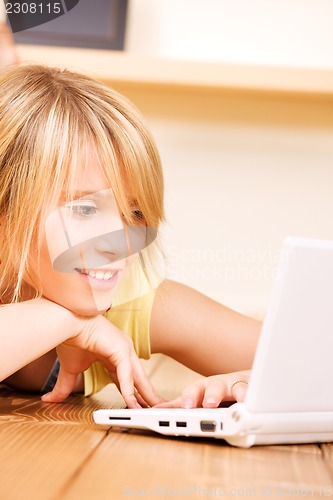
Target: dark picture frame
97,24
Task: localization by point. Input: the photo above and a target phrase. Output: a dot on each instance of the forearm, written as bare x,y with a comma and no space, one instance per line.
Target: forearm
201,333
30,329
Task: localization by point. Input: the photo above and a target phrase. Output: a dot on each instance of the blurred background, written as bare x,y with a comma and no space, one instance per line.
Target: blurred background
239,97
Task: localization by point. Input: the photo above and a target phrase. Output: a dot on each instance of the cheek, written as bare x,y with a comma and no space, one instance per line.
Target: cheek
55,241
40,263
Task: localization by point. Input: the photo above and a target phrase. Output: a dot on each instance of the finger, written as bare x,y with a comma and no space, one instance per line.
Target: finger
238,391
133,380
144,386
62,389
175,403
216,391
141,401
115,380
193,394
126,382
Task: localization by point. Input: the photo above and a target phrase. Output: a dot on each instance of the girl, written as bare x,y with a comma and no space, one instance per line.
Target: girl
81,200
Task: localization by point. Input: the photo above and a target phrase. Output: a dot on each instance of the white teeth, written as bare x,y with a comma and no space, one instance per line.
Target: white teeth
100,275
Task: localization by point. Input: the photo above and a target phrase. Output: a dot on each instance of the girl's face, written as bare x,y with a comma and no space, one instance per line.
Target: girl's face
86,249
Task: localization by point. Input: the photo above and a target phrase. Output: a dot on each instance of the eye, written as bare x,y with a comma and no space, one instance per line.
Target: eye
81,209
138,215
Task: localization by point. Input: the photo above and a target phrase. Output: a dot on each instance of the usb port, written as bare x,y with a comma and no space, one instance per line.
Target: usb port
164,423
207,425
181,424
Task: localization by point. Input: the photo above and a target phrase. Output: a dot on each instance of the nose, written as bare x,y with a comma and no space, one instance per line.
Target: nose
123,242
105,248
94,252
114,243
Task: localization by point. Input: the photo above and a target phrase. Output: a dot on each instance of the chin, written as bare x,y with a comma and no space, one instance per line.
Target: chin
89,311
87,306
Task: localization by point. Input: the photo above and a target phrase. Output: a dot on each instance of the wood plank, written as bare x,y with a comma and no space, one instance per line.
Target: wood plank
55,452
327,450
137,464
38,459
26,407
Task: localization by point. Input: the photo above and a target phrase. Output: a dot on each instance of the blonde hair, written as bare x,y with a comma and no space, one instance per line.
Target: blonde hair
47,117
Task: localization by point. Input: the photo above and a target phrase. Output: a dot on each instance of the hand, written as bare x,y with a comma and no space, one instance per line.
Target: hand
209,392
99,340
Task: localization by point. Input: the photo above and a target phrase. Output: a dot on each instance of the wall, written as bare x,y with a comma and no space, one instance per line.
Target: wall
242,169
242,172
281,32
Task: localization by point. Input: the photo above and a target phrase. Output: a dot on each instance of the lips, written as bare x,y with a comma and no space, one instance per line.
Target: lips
99,279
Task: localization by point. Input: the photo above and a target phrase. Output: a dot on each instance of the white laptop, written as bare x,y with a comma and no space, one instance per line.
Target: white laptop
290,393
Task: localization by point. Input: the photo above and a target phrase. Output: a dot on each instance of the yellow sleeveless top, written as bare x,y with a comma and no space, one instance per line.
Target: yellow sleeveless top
130,316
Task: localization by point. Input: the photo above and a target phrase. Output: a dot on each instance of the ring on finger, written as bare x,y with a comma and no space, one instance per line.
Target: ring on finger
238,382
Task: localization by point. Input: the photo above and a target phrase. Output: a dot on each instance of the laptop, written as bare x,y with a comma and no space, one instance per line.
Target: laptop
290,392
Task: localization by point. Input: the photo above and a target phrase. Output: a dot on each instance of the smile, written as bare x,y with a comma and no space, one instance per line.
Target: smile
99,275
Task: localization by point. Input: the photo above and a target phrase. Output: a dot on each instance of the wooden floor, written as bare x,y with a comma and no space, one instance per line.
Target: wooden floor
55,451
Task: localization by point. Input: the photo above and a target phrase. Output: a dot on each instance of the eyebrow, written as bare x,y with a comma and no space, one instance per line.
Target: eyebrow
65,195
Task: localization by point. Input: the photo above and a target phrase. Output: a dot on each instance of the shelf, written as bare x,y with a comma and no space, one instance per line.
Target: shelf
132,69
